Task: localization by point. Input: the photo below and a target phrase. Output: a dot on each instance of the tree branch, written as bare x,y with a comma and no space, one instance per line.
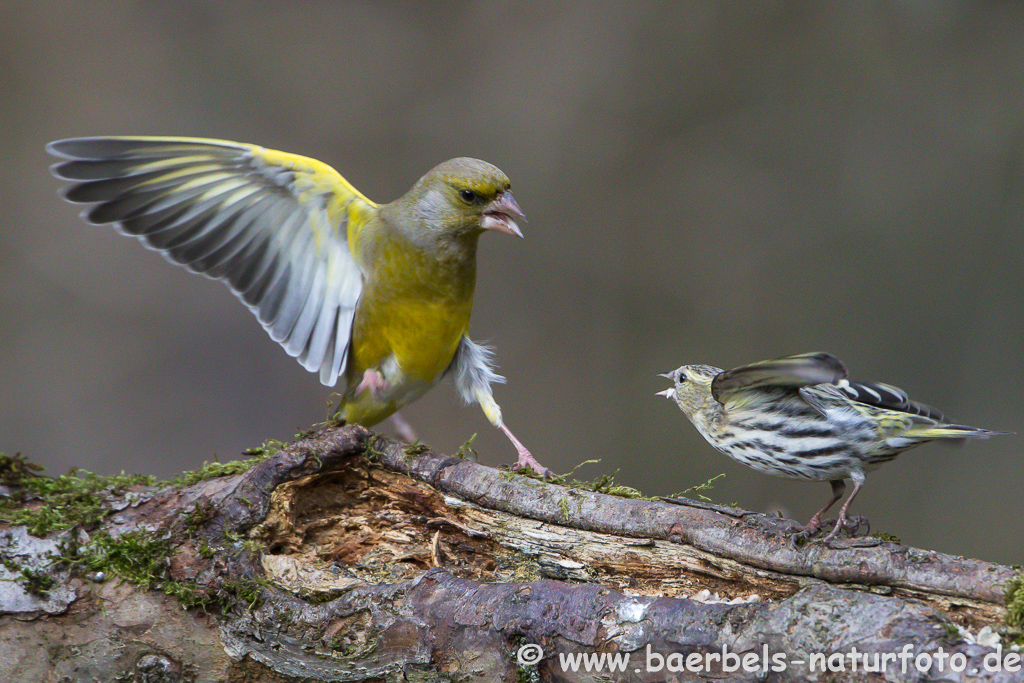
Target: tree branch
347,557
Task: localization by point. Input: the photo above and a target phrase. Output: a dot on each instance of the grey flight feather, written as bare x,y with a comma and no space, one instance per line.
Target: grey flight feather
220,209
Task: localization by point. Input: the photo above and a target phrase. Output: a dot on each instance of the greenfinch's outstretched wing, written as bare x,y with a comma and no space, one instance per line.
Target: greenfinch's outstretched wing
792,371
272,226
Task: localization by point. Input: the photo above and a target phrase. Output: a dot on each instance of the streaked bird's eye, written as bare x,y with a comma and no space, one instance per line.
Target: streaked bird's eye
681,378
468,196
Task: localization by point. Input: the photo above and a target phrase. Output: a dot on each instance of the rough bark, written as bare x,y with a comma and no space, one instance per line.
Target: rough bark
348,557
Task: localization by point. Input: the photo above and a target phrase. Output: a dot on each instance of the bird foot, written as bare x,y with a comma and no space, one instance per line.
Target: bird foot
372,380
804,535
525,458
851,523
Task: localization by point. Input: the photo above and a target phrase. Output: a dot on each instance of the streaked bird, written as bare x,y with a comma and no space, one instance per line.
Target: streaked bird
374,297
799,417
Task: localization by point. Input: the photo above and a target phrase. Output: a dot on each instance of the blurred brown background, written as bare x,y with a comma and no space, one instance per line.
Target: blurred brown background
706,183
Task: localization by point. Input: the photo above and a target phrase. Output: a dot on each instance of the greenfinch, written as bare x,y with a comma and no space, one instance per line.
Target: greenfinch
374,297
799,417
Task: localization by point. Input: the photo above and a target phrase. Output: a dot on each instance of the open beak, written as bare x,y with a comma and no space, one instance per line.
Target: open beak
669,393
501,214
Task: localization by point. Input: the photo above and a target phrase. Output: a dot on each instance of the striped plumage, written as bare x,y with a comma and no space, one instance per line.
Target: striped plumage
799,417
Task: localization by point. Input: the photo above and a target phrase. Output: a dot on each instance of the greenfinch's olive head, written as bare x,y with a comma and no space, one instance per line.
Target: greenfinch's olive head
692,388
465,197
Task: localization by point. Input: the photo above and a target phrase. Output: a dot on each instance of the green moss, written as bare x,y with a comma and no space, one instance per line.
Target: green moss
375,446
603,484
15,468
211,470
191,594
606,484
885,536
266,449
32,580
142,559
81,499
198,516
46,504
1015,603
706,486
136,557
412,450
466,449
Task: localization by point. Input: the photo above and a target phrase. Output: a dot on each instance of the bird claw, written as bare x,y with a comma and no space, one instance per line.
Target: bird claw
855,522
805,534
851,523
527,461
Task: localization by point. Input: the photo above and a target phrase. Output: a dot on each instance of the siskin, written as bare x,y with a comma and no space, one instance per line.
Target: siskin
798,417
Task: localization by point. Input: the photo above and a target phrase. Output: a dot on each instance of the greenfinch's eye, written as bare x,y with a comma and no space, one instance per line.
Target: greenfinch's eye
468,196
682,378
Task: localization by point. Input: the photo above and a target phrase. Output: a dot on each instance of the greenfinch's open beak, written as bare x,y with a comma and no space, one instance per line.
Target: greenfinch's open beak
501,214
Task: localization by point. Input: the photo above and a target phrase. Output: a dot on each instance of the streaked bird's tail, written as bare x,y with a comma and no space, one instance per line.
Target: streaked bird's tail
946,431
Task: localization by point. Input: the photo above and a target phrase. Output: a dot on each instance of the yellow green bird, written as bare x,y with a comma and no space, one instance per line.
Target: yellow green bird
376,296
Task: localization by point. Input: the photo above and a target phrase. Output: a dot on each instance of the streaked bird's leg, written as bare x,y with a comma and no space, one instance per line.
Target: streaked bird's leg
525,458
838,488
844,522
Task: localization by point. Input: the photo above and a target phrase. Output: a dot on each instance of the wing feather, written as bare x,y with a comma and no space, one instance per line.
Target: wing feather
797,371
889,397
272,226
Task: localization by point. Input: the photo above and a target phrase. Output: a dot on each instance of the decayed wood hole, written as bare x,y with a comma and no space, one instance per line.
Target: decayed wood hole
325,533
378,526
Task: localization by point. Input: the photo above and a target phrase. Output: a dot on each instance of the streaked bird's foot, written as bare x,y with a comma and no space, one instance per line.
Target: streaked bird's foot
372,380
805,534
850,523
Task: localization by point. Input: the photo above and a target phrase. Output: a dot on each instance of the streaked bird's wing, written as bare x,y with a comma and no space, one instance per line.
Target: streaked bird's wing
272,226
889,397
792,371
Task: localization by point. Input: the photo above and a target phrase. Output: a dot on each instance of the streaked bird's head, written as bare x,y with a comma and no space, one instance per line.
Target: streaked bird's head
692,387
463,197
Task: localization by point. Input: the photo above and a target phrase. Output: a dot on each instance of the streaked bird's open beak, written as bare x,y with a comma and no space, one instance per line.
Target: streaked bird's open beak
668,393
671,374
501,214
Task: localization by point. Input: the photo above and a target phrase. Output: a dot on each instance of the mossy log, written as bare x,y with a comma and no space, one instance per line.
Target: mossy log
349,557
